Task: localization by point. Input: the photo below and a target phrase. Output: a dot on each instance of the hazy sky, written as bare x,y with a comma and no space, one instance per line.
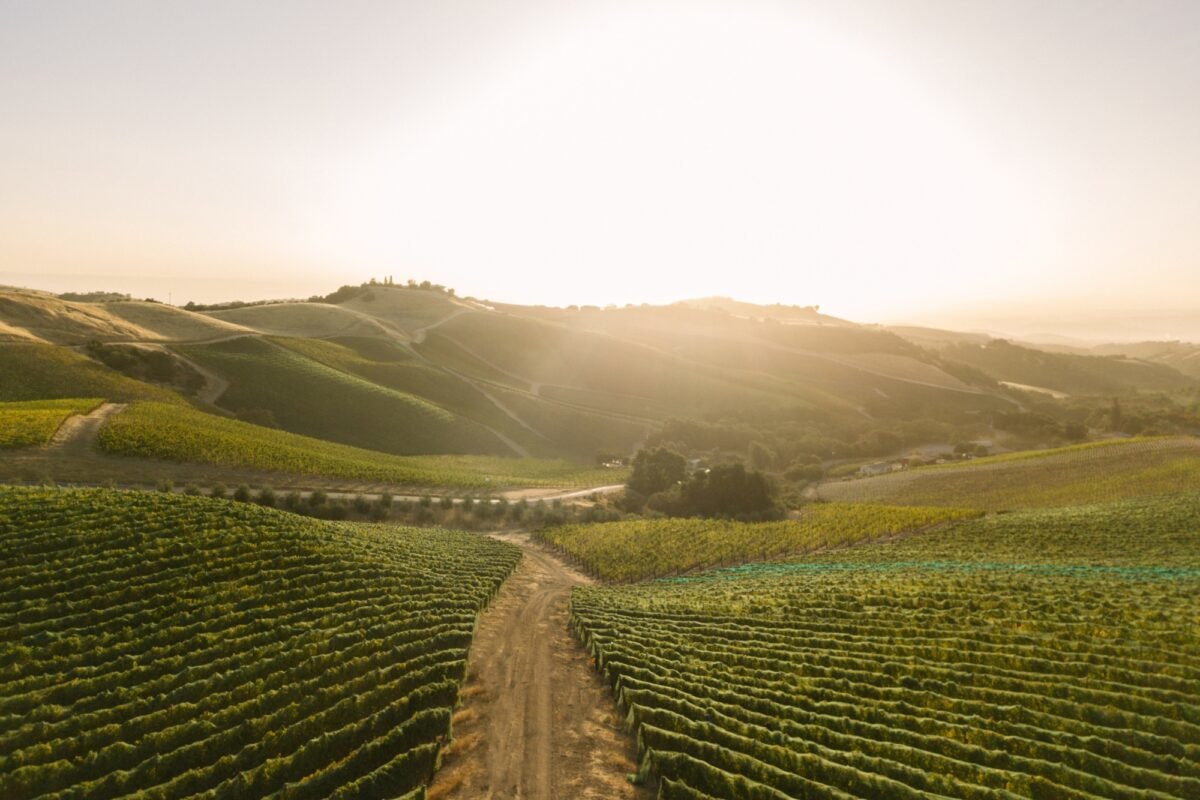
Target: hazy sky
887,160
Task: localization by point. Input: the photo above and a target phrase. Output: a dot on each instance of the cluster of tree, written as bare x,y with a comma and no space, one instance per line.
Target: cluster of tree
795,446
343,294
660,482
95,297
144,364
1039,427
1143,414
463,513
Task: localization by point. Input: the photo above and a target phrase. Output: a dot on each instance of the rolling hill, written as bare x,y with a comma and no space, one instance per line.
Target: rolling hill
409,370
308,397
310,320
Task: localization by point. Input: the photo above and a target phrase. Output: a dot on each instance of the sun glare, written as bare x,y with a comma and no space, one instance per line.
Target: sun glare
643,150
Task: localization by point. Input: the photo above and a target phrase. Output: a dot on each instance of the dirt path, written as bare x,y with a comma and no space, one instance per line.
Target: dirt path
214,384
418,334
77,433
537,723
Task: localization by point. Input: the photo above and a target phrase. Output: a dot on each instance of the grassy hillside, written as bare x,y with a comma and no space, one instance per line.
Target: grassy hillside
1064,372
37,316
42,371
175,646
1044,654
169,323
540,352
699,362
651,548
387,363
153,430
307,397
1066,476
406,308
1183,356
315,320
33,423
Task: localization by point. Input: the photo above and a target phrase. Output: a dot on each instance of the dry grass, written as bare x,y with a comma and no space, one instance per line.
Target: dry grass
444,786
462,744
470,690
464,716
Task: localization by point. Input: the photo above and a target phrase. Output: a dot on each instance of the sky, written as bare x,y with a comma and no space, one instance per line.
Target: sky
945,162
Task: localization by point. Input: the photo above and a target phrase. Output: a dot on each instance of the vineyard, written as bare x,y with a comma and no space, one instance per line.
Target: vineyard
156,430
1157,533
310,398
42,371
33,423
1068,476
167,647
904,673
650,548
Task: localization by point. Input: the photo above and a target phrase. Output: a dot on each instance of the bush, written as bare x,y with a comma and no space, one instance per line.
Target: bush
242,494
266,497
164,485
218,491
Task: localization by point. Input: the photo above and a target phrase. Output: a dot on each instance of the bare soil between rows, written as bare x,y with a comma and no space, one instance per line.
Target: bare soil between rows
537,722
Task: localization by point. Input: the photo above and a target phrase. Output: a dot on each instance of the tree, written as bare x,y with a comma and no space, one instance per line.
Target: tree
1115,417
729,490
656,470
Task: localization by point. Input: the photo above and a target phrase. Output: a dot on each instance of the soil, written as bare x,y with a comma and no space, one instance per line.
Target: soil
537,722
78,432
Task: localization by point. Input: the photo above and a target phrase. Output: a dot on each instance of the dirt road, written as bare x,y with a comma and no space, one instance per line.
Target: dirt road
77,433
536,723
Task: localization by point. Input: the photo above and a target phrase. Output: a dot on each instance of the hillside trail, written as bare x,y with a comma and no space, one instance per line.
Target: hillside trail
418,334
78,432
537,722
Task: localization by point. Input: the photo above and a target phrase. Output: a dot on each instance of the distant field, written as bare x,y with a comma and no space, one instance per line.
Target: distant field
1077,475
649,548
42,371
32,423
167,646
153,430
1051,653
311,398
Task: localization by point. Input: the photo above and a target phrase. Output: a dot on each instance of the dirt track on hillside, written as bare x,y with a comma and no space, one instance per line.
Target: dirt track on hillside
536,723
78,433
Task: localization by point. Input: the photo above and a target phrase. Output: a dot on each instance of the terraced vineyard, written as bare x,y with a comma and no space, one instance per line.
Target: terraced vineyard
1088,473
895,671
33,423
156,430
649,548
167,647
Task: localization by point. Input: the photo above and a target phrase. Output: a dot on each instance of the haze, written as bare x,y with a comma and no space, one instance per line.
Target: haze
915,161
